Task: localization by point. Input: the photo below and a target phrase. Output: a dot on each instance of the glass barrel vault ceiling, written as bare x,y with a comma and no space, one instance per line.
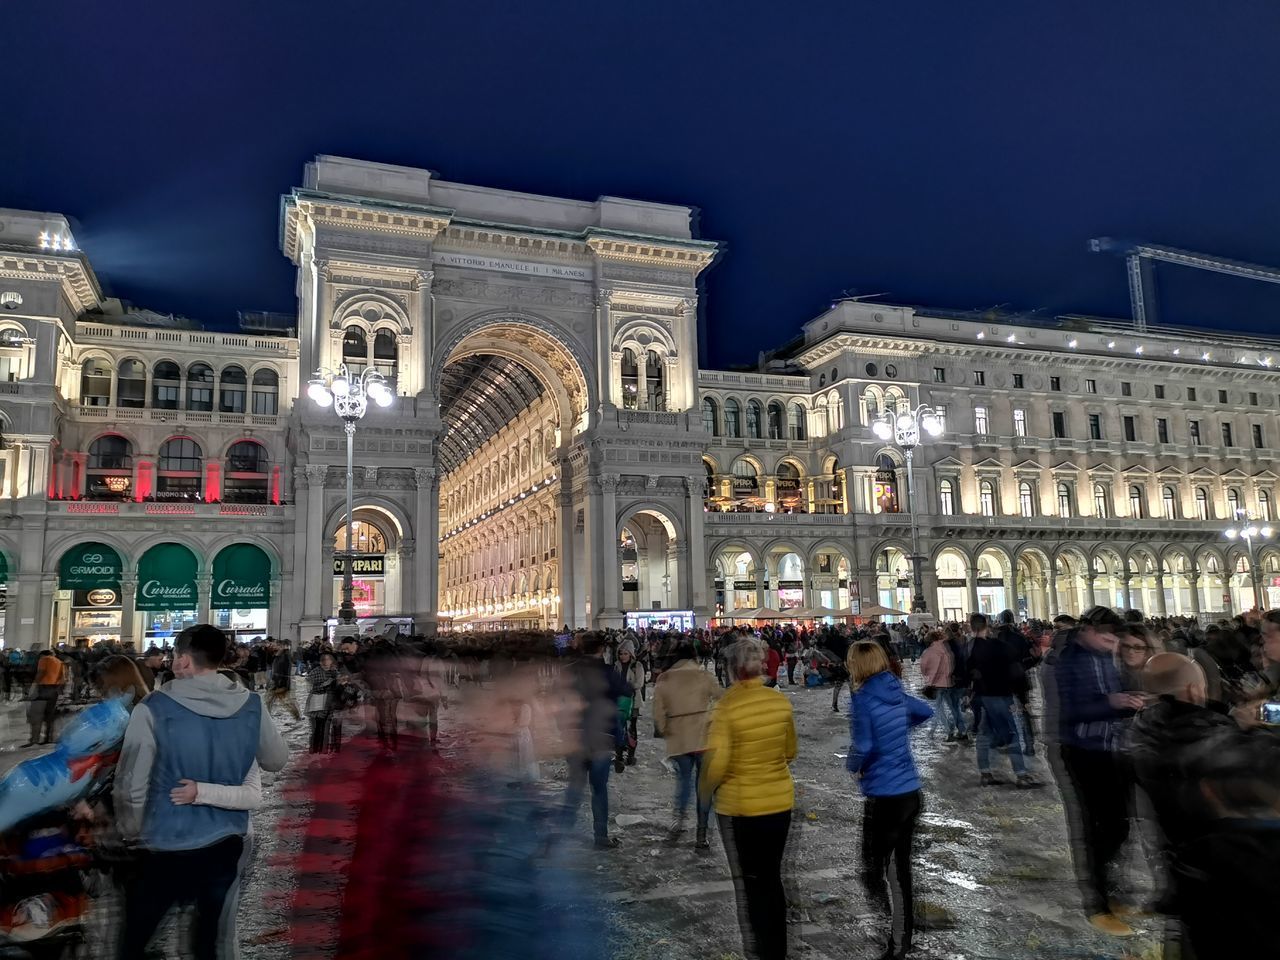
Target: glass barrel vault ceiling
479,395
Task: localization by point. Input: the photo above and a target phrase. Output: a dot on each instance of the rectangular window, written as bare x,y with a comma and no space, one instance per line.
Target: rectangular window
1130,428
1227,439
1257,436
1193,431
1017,381
1019,423
1055,383
939,375
1095,426
1253,399
1091,386
980,419
980,378
1159,391
940,411
1162,429
1059,424
1222,396
1191,393
1126,388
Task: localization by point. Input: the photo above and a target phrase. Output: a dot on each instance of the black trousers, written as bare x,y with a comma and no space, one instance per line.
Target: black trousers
754,846
319,731
1095,793
888,830
200,878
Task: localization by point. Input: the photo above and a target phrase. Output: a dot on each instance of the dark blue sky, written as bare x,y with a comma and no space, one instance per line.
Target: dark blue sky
952,154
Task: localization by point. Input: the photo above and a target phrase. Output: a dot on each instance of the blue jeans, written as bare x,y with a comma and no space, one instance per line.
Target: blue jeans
596,772
688,766
999,729
949,709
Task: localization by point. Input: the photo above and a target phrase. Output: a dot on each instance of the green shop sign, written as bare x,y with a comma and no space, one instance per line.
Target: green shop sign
167,578
241,578
90,566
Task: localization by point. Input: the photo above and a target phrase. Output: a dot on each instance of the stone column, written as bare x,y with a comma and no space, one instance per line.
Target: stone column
973,593
604,334
1055,604
696,594
1194,580
1160,601
130,620
416,368
316,602
1128,590
426,562
760,576
204,601
1090,587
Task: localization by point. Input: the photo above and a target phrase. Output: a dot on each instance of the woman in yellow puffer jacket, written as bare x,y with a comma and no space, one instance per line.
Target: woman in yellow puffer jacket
751,741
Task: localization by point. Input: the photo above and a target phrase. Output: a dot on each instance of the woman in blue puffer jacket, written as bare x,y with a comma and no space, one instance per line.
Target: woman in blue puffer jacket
881,715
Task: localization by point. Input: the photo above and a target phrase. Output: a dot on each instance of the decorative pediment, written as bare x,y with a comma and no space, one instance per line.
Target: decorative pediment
988,463
1170,471
1104,468
1265,475
1066,466
1025,466
1235,474
948,463
1202,472
1137,468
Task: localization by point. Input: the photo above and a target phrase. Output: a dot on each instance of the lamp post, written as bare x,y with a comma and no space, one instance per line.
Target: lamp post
1246,528
904,429
349,395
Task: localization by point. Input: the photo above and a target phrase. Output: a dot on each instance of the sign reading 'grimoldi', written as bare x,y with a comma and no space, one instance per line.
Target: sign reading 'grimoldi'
363,565
88,567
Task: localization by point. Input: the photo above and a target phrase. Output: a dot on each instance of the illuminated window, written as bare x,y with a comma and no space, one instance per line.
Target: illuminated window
732,418
166,385
1169,500
109,469
1100,502
796,422
179,469
131,384
1026,502
980,420
710,417
365,536
946,498
987,498
1202,503
95,382
1019,423
753,420
630,380
266,388
1135,502
246,477
200,387
1064,500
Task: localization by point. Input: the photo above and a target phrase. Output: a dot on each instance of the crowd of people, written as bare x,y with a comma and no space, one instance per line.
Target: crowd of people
1156,727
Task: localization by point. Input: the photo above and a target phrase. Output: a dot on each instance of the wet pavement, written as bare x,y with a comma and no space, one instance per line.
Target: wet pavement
993,873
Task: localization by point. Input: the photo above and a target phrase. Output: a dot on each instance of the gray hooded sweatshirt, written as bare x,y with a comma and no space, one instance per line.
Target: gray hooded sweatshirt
210,695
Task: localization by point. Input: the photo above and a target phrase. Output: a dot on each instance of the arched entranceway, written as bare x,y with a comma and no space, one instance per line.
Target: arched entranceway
952,571
1033,571
893,578
377,570
649,564
994,581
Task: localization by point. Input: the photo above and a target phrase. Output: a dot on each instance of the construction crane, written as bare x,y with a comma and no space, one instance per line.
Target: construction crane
1140,261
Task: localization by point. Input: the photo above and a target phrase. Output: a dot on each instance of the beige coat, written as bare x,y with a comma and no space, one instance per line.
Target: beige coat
682,701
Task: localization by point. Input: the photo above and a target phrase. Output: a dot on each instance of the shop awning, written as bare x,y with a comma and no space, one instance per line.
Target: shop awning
4,568
167,578
89,566
241,578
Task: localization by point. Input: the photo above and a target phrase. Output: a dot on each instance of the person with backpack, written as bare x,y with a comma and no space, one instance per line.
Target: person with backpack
995,669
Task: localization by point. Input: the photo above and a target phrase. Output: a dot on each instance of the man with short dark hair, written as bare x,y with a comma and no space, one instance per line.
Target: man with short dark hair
199,728
600,689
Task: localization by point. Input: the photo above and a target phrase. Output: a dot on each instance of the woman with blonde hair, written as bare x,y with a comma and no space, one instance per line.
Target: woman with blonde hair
751,741
881,715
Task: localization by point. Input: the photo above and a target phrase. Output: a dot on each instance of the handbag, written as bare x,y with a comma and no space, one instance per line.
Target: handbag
318,703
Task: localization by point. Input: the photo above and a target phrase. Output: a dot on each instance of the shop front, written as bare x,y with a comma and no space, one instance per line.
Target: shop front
240,593
660,620
992,597
87,605
168,598
953,598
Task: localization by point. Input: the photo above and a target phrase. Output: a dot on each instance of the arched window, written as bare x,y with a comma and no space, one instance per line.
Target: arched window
753,419
732,418
355,349
630,379
1135,502
884,490
179,469
109,471
946,498
837,486
1202,503
166,385
710,489
655,385
987,498
199,387
1169,501
1233,503
1100,502
796,425
746,484
1264,505
266,392
95,383
1064,500
710,417
1026,502
365,536
776,416
246,477
791,498
231,391
131,383
385,354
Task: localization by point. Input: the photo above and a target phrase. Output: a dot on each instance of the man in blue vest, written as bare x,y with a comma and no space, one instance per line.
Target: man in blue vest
199,729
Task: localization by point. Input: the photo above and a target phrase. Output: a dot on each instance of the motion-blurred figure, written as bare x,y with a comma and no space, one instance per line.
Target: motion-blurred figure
682,701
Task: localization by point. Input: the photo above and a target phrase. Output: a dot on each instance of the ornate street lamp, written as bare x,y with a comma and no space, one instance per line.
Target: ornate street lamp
349,395
904,430
1246,528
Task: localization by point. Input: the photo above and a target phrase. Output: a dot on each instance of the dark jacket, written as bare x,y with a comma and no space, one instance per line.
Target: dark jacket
281,670
881,715
995,667
600,688
1228,887
1085,680
1176,746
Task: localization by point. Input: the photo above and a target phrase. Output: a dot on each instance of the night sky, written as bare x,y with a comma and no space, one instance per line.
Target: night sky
947,154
